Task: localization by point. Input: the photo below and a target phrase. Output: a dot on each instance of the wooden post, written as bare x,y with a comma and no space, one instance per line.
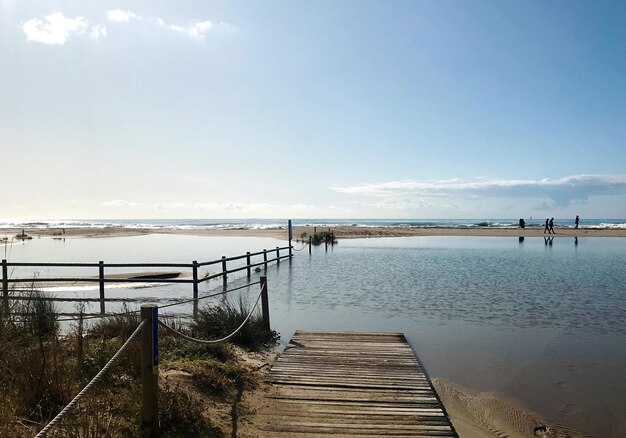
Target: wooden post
5,286
277,256
101,281
265,259
248,263
290,237
326,242
265,304
310,240
195,288
150,370
224,274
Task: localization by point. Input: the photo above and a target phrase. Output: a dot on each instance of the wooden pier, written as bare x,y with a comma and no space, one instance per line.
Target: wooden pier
349,383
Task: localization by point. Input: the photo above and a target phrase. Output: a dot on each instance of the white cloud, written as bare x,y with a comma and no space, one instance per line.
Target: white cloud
97,31
560,192
402,204
121,16
119,203
195,31
53,29
56,29
198,30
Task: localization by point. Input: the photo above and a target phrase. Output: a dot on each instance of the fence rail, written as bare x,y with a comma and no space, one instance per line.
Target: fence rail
101,279
148,333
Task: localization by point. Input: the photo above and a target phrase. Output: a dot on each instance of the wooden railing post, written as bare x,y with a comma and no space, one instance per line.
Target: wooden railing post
224,274
101,283
248,263
265,259
5,286
290,237
277,256
195,287
265,303
310,241
150,370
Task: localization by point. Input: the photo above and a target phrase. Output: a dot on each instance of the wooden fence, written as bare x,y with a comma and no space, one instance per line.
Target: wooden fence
102,279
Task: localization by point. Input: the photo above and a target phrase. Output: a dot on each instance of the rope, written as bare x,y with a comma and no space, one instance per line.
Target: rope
216,341
209,296
43,432
303,246
177,303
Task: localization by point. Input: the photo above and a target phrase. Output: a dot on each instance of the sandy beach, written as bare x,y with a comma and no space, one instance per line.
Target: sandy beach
343,232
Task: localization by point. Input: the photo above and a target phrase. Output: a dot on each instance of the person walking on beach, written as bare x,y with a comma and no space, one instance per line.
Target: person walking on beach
547,228
576,221
552,225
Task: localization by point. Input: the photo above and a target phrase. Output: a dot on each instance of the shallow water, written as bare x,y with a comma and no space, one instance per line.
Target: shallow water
541,323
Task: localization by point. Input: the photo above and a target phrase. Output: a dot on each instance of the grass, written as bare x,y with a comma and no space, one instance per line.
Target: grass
42,369
215,322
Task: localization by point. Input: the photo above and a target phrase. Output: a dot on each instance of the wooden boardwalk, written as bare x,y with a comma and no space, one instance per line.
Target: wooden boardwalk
348,383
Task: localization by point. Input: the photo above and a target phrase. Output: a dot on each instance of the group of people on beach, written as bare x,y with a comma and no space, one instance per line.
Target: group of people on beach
549,228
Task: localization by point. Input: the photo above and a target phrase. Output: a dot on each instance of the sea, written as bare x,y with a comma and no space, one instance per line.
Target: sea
539,321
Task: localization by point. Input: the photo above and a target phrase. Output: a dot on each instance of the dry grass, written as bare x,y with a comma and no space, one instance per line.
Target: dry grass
42,369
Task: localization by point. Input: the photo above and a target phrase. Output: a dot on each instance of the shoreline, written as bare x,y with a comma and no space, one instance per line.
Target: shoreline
341,232
477,414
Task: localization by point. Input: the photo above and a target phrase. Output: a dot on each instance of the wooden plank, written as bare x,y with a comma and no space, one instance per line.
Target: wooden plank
350,383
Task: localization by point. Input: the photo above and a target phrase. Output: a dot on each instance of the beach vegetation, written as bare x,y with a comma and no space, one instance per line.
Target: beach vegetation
44,364
323,236
215,322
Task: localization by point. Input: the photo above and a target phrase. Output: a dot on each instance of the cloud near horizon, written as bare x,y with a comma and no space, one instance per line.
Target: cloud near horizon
560,192
119,203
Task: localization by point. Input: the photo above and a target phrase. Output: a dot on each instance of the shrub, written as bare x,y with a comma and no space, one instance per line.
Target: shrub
181,414
219,321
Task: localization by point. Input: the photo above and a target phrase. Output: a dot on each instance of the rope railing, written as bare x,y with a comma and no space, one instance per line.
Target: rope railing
148,330
177,303
303,246
156,278
215,341
70,406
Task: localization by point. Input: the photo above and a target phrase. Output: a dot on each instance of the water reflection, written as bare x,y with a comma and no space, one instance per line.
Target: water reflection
484,282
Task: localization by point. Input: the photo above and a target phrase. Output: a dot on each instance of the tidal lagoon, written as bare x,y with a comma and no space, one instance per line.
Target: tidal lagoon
540,322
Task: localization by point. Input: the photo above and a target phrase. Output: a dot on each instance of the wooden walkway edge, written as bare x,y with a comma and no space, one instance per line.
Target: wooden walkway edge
351,383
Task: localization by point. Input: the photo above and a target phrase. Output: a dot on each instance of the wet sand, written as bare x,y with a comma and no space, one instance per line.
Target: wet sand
485,414
303,232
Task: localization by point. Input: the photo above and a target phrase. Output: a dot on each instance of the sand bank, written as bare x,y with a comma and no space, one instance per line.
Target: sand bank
346,232
484,414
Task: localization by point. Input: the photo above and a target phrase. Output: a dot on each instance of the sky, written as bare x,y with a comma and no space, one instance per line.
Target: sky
328,109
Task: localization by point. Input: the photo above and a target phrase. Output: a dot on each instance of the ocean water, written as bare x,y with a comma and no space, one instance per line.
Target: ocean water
256,224
543,323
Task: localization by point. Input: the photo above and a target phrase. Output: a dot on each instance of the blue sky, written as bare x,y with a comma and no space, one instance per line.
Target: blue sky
420,109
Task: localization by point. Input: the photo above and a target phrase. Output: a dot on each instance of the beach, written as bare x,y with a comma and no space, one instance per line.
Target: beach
302,232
